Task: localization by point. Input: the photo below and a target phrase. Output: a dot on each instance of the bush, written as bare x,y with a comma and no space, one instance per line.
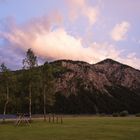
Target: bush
115,114
138,115
124,113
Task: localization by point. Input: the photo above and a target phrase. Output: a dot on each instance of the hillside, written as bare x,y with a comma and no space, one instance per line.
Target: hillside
105,87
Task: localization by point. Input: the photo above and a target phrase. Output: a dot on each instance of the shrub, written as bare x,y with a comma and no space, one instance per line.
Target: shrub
115,114
138,115
124,113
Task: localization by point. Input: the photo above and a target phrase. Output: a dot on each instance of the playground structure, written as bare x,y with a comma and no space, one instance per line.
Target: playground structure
22,119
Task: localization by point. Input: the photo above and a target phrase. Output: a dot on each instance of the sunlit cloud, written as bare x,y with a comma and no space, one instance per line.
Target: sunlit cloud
83,8
56,43
53,44
120,30
131,60
48,37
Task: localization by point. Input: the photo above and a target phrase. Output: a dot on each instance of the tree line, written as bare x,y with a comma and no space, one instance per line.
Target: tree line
22,91
33,90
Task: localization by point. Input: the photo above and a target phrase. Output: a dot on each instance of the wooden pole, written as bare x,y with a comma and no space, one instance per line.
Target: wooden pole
57,119
61,119
49,118
53,118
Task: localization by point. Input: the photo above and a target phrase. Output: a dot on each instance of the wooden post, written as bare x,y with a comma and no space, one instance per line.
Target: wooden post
53,118
49,118
61,119
57,119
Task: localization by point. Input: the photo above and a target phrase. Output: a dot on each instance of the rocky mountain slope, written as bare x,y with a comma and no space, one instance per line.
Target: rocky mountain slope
80,88
107,73
107,86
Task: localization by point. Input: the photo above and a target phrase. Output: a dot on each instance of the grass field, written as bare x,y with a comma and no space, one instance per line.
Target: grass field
76,128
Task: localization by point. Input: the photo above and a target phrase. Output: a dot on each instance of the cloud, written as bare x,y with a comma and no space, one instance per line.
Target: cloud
102,51
54,43
119,31
106,50
132,60
46,42
61,45
82,8
58,44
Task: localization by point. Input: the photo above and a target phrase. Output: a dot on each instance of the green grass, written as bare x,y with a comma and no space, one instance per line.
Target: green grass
76,128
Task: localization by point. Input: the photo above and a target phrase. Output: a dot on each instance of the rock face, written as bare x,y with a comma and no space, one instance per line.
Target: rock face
107,86
119,74
107,73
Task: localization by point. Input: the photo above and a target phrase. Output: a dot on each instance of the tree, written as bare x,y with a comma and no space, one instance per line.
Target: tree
6,81
47,83
30,62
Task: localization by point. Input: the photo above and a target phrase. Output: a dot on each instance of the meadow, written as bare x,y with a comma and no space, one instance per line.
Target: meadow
75,128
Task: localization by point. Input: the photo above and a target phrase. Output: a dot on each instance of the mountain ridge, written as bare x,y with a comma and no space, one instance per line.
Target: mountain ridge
83,88
109,85
105,68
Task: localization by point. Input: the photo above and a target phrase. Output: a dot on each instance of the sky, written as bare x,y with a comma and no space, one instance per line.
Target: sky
85,30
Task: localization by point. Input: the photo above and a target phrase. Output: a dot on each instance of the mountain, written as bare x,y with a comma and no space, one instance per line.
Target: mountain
105,87
80,88
107,73
119,74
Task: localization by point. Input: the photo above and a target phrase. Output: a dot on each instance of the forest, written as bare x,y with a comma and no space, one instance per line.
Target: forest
31,90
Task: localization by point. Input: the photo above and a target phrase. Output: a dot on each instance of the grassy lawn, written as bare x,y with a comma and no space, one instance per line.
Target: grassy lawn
76,128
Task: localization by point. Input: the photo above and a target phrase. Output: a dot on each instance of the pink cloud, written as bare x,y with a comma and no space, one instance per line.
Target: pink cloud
82,8
54,44
119,31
